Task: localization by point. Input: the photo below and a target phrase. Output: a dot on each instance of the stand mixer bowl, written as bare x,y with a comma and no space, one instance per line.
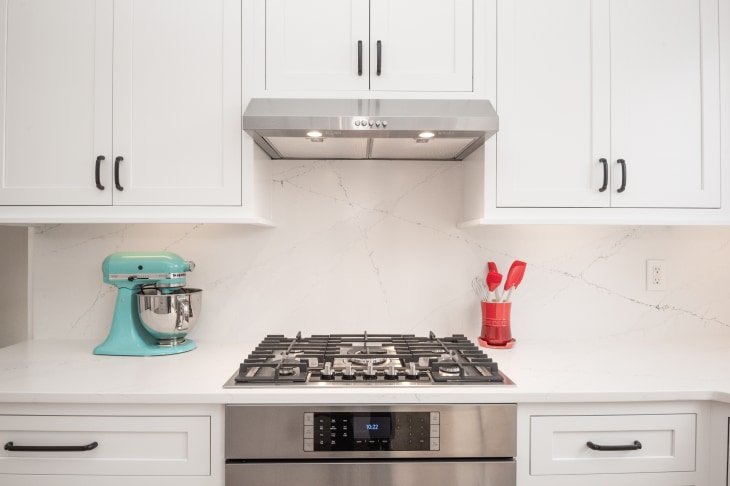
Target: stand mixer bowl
168,317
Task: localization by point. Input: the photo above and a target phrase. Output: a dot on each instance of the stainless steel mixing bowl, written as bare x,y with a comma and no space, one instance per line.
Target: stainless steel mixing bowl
169,317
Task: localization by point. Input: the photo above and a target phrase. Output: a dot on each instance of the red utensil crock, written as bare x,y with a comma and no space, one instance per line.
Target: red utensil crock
496,329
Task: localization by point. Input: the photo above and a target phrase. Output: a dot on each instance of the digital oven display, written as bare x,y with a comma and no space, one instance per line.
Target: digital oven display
371,427
372,431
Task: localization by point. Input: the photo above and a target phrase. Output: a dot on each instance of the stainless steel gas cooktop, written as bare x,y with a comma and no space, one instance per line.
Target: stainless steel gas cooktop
367,360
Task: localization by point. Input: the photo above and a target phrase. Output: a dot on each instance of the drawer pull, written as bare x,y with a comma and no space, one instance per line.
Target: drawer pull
88,447
628,447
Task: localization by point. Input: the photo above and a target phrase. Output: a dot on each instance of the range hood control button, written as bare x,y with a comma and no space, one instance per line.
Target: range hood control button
377,123
370,123
385,123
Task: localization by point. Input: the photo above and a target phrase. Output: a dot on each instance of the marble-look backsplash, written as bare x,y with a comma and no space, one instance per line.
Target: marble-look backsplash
373,245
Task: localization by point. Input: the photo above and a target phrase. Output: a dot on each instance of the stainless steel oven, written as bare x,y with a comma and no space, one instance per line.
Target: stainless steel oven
373,445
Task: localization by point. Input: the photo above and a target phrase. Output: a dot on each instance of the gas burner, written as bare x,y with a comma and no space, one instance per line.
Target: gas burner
367,360
283,356
447,365
367,355
449,370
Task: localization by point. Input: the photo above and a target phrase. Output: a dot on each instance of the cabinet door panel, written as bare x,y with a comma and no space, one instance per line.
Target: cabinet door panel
426,45
313,45
547,155
177,102
665,105
56,70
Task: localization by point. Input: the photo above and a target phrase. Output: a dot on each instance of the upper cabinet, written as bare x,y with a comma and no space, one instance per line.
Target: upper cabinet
618,99
56,71
362,45
606,104
125,103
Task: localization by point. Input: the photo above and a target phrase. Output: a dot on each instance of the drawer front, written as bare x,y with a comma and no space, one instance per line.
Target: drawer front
126,445
558,444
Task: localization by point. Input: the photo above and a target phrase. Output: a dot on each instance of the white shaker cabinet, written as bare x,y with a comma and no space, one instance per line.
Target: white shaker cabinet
56,72
123,103
111,445
606,104
606,444
361,45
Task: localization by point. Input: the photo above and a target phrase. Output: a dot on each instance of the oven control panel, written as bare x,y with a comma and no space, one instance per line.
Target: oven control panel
371,431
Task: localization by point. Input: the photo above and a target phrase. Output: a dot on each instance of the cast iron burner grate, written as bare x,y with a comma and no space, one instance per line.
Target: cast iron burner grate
367,359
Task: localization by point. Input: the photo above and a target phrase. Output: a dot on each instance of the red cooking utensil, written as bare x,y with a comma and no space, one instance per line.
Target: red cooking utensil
514,277
494,278
492,267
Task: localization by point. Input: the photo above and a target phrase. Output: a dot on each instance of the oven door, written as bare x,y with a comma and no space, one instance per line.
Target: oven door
373,473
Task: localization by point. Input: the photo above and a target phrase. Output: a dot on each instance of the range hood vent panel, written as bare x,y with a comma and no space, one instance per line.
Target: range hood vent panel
409,148
369,129
328,148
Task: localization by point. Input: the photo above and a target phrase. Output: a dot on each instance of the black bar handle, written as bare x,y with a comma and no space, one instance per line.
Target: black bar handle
83,448
605,175
117,161
622,162
628,447
380,55
359,58
97,177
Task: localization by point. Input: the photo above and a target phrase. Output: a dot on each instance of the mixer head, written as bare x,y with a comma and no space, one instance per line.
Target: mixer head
133,270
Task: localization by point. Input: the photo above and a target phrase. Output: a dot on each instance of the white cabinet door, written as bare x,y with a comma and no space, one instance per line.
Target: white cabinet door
425,45
318,45
549,140
583,82
361,45
177,102
153,87
56,77
665,118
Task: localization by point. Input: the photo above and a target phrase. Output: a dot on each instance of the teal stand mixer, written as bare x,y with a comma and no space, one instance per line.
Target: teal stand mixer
153,312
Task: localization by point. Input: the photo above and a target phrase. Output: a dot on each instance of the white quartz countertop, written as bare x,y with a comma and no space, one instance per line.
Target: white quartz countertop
630,368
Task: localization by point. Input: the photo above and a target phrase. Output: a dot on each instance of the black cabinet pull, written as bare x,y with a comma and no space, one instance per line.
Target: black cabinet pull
117,161
380,55
622,162
359,58
628,447
13,448
605,175
97,177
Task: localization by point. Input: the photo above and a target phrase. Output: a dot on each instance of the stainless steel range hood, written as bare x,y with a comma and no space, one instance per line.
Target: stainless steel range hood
369,128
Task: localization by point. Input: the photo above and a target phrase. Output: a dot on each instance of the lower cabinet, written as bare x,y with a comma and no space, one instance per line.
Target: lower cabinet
662,444
119,445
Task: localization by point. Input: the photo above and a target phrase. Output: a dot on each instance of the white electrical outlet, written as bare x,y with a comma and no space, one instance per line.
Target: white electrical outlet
655,275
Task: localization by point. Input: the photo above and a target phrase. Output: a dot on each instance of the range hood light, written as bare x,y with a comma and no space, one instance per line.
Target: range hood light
426,135
314,134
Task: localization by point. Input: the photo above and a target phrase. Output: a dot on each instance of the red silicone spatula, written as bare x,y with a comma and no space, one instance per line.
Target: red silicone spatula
514,277
494,278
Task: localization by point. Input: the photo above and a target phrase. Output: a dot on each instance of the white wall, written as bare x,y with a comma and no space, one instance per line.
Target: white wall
13,285
373,245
